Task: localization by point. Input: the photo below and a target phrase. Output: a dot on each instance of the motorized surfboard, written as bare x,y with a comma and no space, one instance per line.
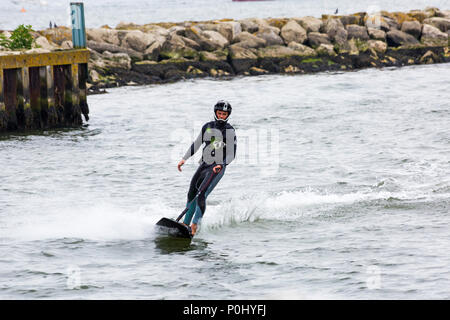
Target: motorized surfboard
173,228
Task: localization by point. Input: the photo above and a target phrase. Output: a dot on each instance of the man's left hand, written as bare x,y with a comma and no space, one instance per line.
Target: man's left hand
217,168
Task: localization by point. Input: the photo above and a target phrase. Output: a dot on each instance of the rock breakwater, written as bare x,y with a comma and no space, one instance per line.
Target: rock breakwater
131,54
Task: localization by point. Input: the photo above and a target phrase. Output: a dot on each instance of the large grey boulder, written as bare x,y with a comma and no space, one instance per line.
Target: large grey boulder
189,42
216,38
137,40
206,26
250,44
67,45
242,59
433,36
357,32
349,47
376,34
249,25
156,30
270,35
247,40
117,60
236,28
218,55
377,22
103,35
228,29
103,46
153,51
310,24
393,24
325,49
350,19
396,38
43,43
276,52
206,40
315,39
420,15
434,12
335,30
292,31
57,35
260,23
172,48
294,49
301,49
442,24
413,28
237,52
377,45
244,36
178,30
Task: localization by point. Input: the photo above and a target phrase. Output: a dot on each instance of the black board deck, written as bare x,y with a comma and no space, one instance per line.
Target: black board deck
173,228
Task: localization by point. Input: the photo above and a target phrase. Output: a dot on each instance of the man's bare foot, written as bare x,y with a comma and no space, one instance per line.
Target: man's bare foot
193,228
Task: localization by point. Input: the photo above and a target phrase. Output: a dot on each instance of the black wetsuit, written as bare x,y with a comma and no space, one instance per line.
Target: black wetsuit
220,149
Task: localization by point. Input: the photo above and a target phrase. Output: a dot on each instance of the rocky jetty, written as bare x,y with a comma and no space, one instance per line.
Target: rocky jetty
131,54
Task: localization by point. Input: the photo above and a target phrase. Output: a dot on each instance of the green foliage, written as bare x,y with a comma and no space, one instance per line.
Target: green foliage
337,48
3,40
21,38
330,62
361,45
311,60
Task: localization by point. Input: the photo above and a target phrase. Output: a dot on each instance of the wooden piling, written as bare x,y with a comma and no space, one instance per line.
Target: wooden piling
10,95
28,113
76,111
67,96
52,119
83,77
19,104
3,113
59,82
43,101
35,94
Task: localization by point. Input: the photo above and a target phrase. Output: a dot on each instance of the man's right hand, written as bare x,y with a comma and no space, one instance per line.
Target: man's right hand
180,164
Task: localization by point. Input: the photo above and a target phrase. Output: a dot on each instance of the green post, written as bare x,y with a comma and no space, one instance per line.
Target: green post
78,25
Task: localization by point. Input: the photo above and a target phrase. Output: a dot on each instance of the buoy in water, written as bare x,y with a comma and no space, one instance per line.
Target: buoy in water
23,10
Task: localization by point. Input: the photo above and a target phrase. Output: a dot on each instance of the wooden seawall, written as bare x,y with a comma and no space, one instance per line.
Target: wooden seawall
43,90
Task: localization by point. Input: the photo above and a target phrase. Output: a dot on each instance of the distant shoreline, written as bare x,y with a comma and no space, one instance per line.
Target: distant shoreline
160,53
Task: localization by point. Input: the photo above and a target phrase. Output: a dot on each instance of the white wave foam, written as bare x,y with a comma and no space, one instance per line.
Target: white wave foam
283,206
98,222
309,198
289,205
104,221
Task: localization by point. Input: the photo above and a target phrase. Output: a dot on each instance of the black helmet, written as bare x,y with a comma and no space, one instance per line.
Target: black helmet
222,105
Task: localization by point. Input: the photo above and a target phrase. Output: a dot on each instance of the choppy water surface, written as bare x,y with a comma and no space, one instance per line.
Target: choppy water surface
39,13
351,201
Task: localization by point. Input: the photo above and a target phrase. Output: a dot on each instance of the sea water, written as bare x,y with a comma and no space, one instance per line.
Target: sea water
340,189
